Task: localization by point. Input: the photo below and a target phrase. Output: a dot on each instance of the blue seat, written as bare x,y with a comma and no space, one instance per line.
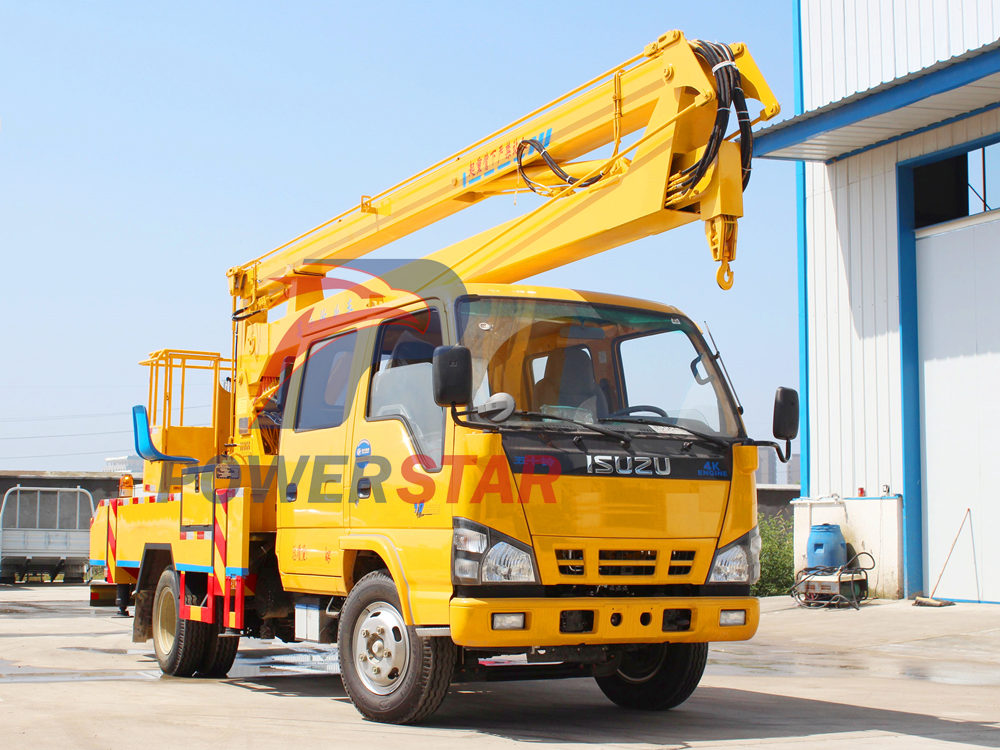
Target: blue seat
144,441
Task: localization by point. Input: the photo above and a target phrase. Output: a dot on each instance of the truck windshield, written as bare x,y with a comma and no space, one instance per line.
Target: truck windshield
632,369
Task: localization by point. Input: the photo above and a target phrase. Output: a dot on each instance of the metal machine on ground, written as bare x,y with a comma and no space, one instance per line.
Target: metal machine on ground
434,467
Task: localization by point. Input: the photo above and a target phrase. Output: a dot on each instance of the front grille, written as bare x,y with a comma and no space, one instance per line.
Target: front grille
625,570
570,561
576,562
626,562
680,562
628,554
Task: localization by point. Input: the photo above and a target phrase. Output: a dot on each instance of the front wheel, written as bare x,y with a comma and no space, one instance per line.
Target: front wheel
391,674
656,677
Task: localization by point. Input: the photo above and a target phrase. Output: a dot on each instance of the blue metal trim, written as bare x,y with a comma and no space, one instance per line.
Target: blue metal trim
97,562
237,571
127,564
909,365
909,358
805,441
797,56
194,568
961,148
908,92
803,260
900,137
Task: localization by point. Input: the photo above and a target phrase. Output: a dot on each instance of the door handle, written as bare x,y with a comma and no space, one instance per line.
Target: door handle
364,487
291,492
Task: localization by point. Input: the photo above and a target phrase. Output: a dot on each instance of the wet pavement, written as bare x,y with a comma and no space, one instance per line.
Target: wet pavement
888,675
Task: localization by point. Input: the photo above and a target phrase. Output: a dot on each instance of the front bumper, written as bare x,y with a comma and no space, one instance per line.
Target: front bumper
640,620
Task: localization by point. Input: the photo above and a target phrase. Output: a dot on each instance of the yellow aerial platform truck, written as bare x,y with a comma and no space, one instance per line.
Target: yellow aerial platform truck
453,477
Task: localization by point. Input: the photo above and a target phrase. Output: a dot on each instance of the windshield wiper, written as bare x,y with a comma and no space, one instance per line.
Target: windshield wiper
718,441
622,437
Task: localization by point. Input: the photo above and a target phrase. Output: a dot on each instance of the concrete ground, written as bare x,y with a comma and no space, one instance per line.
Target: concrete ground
888,676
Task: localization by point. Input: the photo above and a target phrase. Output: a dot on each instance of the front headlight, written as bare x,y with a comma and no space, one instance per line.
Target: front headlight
738,561
505,563
480,554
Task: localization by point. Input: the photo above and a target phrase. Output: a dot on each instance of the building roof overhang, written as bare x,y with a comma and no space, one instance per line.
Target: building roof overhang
945,92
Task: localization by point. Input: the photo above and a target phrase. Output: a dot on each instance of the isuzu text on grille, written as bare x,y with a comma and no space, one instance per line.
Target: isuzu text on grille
641,466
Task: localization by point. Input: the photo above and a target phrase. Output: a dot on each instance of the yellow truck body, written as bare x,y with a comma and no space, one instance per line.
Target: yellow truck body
587,506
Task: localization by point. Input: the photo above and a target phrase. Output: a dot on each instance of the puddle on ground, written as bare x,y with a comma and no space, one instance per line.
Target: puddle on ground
297,659
47,609
82,636
733,659
11,672
117,651
250,662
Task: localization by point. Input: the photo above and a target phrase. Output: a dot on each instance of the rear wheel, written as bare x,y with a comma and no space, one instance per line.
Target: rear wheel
180,645
391,674
656,677
220,653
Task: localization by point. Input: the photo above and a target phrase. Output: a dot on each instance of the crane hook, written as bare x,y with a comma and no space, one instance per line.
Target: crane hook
721,234
724,277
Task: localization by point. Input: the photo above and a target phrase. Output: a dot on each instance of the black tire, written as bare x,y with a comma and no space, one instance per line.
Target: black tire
220,653
656,677
180,645
429,662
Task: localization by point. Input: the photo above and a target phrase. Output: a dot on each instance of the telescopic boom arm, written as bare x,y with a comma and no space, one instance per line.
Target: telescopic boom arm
665,114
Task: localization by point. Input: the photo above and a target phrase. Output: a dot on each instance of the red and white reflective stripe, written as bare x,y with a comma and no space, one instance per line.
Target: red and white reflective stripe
162,497
185,535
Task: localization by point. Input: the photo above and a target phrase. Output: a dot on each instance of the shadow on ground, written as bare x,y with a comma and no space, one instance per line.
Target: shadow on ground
575,711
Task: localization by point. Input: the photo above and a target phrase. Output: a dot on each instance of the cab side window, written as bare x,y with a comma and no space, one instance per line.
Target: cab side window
401,380
323,399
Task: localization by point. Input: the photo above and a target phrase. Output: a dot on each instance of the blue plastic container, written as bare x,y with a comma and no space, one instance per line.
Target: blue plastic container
826,546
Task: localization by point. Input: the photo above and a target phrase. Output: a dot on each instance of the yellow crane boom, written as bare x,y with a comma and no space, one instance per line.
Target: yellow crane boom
678,169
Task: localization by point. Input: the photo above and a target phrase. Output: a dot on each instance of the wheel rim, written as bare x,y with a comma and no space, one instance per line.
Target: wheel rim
381,648
165,622
642,665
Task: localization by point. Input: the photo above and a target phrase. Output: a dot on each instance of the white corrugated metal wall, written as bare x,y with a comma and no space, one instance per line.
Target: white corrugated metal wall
854,405
854,45
853,287
856,409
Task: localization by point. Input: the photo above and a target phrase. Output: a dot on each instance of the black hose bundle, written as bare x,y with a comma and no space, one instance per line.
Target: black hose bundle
729,93
537,187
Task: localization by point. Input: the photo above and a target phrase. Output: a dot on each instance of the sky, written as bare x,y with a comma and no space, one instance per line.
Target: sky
145,148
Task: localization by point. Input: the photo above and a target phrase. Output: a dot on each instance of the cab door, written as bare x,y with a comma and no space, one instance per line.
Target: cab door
401,470
401,431
313,465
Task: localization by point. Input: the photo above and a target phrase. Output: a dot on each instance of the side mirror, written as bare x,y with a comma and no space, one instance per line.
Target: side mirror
497,408
786,414
452,375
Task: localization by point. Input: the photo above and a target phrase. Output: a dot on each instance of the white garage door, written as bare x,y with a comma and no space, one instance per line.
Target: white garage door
959,345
